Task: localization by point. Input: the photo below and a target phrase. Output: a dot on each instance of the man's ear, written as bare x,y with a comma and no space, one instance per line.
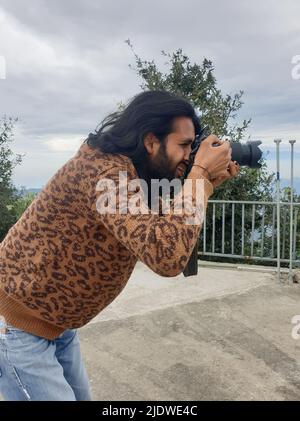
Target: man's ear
151,144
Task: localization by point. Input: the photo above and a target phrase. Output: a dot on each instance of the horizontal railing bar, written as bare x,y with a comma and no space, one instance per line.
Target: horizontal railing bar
248,258
250,202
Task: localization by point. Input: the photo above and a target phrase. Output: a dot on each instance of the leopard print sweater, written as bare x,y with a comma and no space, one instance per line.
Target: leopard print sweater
63,261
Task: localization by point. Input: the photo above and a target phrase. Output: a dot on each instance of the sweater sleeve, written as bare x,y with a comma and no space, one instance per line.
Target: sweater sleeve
164,242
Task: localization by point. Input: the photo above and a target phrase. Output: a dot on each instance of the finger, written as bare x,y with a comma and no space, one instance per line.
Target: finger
224,175
225,145
236,166
212,139
233,168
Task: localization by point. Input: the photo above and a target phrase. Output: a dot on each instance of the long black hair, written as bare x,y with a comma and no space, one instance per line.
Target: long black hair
123,132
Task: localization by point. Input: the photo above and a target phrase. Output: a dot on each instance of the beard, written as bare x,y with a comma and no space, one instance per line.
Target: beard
158,168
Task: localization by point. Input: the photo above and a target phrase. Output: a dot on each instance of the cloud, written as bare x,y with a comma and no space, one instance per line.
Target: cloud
64,144
67,63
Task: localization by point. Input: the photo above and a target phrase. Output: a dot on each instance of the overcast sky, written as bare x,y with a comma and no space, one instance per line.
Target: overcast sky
67,67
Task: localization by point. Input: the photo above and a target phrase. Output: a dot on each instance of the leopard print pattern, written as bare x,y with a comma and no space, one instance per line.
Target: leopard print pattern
64,262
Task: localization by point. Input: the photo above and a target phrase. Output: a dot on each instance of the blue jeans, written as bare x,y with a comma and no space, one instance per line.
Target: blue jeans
38,369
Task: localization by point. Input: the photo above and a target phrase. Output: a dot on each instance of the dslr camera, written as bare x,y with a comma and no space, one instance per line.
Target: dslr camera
247,155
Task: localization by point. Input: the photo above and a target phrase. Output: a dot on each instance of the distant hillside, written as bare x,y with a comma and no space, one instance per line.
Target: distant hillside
284,182
30,190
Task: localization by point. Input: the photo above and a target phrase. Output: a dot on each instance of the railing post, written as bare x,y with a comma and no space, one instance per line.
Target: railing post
262,231
243,228
213,227
232,229
273,230
252,230
223,228
295,231
292,142
277,141
204,234
284,212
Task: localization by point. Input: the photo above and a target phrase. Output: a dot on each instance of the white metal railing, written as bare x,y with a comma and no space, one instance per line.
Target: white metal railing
264,232
273,229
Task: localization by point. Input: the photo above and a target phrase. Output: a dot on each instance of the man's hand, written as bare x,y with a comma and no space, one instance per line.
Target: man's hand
232,171
214,159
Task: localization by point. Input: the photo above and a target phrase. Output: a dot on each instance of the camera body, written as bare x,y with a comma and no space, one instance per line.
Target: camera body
247,154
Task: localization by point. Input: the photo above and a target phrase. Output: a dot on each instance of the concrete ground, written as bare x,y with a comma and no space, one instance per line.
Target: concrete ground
225,334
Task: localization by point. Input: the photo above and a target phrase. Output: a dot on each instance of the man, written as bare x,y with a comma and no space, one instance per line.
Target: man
64,260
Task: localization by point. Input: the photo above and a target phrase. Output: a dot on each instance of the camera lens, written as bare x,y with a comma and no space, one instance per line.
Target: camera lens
247,154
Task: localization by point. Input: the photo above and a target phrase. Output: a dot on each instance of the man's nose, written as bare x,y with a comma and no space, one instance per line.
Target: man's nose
187,154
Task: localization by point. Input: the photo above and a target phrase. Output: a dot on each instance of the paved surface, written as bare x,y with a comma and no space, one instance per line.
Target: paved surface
224,334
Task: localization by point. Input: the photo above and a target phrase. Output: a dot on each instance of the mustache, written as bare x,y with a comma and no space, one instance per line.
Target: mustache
185,163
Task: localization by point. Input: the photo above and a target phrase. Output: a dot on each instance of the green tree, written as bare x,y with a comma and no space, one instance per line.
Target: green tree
22,203
8,161
197,83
